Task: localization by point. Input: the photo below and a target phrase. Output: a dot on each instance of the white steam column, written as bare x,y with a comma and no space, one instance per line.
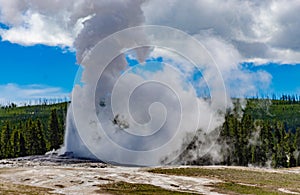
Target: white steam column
142,114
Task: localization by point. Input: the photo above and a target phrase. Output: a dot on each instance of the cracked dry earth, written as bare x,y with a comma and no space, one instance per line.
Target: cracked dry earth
84,177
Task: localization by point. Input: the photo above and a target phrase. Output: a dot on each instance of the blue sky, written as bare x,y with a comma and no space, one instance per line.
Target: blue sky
53,69
261,32
285,77
39,64
38,71
256,34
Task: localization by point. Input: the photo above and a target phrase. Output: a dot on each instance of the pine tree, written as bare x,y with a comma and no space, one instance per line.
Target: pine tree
297,146
15,142
265,149
289,149
280,157
27,136
22,144
225,139
5,141
30,137
41,143
36,141
54,131
245,132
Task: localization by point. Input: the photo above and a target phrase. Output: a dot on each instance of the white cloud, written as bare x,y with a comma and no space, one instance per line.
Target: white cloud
259,30
52,23
38,29
59,23
23,93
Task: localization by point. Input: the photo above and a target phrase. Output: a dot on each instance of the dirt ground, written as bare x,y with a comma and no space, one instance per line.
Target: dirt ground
83,177
70,176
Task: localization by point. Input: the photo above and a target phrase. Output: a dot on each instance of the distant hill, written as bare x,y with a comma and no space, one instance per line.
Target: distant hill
287,112
32,129
42,112
255,131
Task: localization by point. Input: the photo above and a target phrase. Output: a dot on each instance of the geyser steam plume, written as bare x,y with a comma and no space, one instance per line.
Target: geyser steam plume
155,98
143,91
104,19
157,103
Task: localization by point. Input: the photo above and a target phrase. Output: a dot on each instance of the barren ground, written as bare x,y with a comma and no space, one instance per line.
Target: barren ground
43,175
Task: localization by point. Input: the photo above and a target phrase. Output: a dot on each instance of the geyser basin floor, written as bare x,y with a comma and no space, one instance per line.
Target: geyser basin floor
244,180
85,177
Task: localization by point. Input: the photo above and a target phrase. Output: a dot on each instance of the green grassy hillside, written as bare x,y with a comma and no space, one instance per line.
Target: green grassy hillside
275,110
15,115
288,113
31,130
257,131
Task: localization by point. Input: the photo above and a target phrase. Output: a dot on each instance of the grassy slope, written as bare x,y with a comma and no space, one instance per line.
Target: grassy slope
288,113
239,181
17,189
41,112
136,189
258,109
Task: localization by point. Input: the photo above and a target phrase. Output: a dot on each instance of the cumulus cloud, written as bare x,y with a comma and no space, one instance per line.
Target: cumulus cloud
260,30
41,22
23,93
239,81
59,23
38,30
284,15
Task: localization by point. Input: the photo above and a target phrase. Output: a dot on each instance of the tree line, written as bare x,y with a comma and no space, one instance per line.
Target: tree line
264,132
248,138
282,99
31,137
259,142
34,102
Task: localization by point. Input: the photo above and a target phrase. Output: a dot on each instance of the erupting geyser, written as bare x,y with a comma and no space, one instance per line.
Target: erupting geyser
141,94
